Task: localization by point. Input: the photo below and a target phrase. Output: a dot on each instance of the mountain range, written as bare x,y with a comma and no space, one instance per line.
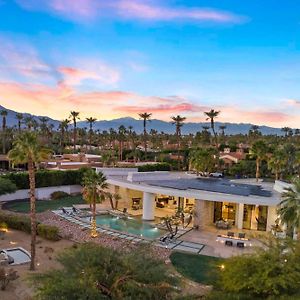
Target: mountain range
159,125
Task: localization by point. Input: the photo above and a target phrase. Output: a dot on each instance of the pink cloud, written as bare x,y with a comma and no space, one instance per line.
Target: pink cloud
161,109
83,10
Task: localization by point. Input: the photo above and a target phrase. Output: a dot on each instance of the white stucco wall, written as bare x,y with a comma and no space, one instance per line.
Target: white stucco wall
41,193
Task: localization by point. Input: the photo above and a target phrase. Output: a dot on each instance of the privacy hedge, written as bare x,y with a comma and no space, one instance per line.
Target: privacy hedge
23,223
155,167
45,178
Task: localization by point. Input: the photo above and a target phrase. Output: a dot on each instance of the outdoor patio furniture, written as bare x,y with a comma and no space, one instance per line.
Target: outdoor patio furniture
240,245
223,224
242,235
228,243
230,233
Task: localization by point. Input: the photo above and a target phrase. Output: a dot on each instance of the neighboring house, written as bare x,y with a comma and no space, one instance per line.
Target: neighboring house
231,158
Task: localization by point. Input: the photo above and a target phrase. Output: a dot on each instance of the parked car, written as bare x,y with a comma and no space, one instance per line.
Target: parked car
216,175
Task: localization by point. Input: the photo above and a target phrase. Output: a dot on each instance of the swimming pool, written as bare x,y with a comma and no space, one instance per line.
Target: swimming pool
129,225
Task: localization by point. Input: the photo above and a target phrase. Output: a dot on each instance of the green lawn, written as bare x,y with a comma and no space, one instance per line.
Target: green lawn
199,268
23,206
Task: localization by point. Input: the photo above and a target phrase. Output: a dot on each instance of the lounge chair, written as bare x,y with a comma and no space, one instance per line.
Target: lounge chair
228,243
240,244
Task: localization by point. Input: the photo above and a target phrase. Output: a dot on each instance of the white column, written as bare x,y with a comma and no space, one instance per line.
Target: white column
240,215
272,216
148,206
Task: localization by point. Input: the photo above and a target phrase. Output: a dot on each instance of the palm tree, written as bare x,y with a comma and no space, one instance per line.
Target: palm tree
178,121
259,152
19,117
222,128
91,122
211,115
29,121
121,137
286,130
28,150
94,185
113,199
3,113
63,126
74,115
289,207
277,162
145,117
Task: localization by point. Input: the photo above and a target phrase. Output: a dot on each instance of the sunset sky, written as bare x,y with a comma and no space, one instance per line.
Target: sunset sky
116,58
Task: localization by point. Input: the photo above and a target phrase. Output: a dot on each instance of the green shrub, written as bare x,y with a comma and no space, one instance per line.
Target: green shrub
155,167
46,178
48,232
7,186
58,195
23,223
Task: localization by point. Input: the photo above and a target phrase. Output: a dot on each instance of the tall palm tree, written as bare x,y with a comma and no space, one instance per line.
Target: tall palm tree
94,186
91,122
289,207
28,150
74,115
3,113
178,122
121,137
212,115
63,127
259,151
145,117
19,117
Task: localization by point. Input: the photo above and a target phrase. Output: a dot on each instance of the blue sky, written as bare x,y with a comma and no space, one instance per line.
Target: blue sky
166,57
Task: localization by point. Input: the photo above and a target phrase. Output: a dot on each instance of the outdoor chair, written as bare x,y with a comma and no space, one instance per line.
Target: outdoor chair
230,233
242,235
228,243
240,245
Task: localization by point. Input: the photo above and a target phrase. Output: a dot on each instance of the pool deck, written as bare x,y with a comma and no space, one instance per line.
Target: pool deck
177,244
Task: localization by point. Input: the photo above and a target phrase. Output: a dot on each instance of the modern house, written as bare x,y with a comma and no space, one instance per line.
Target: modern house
245,203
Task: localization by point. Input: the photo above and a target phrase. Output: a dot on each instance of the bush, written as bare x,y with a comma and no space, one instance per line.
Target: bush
23,223
45,178
58,195
48,232
155,167
16,222
7,186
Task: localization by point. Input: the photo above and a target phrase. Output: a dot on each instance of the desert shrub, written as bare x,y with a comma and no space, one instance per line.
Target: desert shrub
48,232
58,195
155,167
7,186
6,277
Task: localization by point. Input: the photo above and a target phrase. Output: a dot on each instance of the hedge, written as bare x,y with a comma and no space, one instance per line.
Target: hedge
45,178
23,223
155,167
7,186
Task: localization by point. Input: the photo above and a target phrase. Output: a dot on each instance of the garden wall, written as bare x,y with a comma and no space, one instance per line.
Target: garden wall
41,193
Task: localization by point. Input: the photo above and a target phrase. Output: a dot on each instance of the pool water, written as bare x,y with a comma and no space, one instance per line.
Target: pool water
19,255
130,225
